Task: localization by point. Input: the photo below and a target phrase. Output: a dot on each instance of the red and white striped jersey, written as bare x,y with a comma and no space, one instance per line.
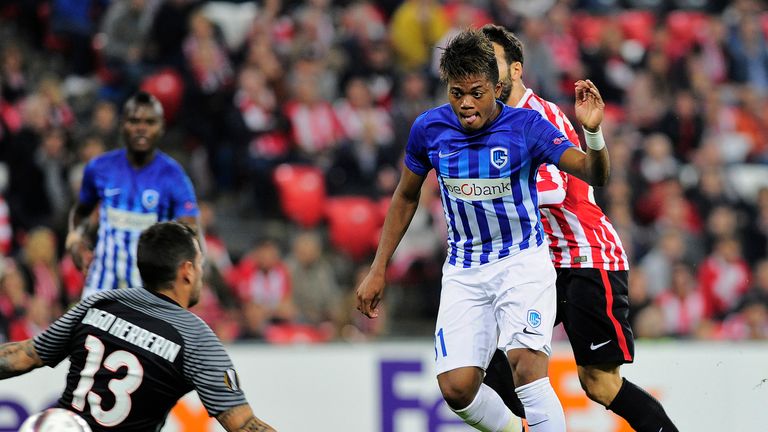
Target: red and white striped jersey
580,234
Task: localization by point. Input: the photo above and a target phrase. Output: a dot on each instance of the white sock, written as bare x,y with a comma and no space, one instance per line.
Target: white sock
488,413
543,411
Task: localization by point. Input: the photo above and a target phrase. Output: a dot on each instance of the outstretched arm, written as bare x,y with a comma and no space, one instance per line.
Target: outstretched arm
77,241
405,200
594,166
18,358
241,419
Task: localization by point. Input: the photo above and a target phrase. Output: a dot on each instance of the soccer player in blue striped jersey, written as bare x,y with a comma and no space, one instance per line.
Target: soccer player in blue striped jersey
134,187
498,286
134,353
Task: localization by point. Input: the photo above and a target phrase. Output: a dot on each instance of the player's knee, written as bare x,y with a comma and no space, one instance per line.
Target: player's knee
528,366
458,389
599,385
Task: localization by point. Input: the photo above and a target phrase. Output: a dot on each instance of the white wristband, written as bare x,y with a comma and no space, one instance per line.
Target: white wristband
595,139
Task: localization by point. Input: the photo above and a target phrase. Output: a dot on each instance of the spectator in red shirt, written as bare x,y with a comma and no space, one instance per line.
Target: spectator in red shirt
682,304
263,284
724,277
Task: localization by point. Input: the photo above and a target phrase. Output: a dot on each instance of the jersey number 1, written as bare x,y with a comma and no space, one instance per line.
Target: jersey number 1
121,388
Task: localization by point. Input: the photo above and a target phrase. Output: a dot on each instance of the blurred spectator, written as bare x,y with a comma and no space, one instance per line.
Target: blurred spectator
564,47
217,299
316,293
104,124
125,30
260,54
73,23
168,30
657,162
412,99
649,323
52,161
368,136
415,28
216,252
14,78
650,93
59,114
263,285
39,264
713,190
90,147
313,30
758,290
749,322
542,74
749,117
260,129
14,296
27,197
682,303
722,222
639,297
6,230
670,248
315,129
36,318
683,124
723,277
210,81
376,67
608,68
749,53
756,232
368,52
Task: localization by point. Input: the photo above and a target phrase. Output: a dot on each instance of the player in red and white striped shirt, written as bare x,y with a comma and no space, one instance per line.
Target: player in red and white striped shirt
592,268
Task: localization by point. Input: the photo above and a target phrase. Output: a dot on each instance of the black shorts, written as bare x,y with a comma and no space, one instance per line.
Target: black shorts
593,305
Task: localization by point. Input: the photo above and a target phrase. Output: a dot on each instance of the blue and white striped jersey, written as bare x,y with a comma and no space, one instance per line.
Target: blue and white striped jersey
131,200
487,178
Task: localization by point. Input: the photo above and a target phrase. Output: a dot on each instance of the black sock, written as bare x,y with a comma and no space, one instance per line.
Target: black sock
498,376
641,410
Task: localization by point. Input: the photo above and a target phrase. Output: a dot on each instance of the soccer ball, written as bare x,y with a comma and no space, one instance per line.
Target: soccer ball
55,420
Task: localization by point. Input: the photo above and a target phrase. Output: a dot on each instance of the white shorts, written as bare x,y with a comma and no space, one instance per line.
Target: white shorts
510,303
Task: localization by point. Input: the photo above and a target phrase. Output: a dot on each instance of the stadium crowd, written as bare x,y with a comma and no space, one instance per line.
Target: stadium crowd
293,115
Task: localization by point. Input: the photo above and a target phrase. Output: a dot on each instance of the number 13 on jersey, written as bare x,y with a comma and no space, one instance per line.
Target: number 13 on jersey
121,388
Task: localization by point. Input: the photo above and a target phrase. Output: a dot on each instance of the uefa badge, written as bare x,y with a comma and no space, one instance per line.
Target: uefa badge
499,157
150,198
534,318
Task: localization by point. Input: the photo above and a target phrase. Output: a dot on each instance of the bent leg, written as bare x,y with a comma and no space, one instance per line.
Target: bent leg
498,376
601,383
543,410
476,403
641,410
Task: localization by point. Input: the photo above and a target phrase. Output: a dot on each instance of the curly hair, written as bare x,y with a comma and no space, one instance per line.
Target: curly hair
468,54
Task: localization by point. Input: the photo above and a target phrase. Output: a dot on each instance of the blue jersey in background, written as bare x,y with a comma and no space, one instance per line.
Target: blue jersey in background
131,200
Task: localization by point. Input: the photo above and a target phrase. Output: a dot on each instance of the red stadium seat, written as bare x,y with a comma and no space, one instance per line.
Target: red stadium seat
168,87
685,28
638,25
588,29
353,223
301,189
